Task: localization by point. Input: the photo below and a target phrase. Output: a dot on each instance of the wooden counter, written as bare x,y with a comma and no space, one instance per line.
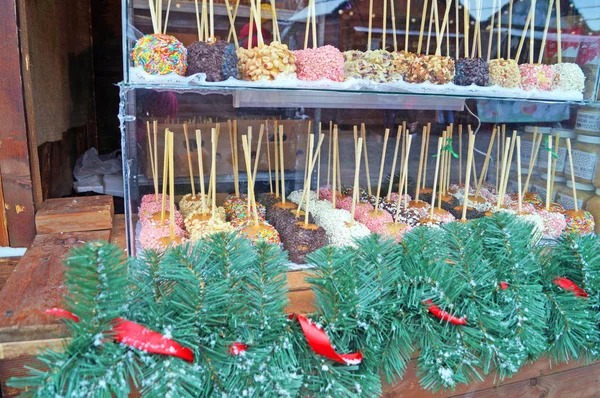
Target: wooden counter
540,379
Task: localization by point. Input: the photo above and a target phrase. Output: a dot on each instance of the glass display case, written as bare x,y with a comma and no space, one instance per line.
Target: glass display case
422,79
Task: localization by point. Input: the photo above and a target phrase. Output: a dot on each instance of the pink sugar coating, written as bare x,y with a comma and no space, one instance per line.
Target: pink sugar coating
399,235
535,76
374,224
394,197
444,218
554,223
325,194
362,210
527,207
149,208
150,235
344,203
325,62
151,198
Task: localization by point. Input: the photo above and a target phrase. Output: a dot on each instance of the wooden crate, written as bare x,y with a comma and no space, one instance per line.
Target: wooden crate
86,213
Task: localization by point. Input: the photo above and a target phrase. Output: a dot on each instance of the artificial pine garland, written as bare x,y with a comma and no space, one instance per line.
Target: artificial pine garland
472,298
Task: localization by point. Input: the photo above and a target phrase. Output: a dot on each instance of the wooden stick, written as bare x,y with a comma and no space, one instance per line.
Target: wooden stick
554,161
549,171
314,28
486,162
171,188
167,17
189,158
381,167
276,158
311,147
269,157
513,142
407,28
440,37
421,159
357,155
205,22
431,17
532,32
457,31
393,13
307,161
308,20
152,163
509,38
159,12
311,167
370,24
251,27
257,158
559,40
524,35
545,35
449,160
448,5
275,23
403,178
165,178
491,35
200,36
201,169
443,166
504,162
403,151
232,24
329,154
477,34
530,169
533,161
460,146
251,206
236,170
435,176
426,155
519,175
213,169
153,17
339,167
282,164
423,19
398,134
466,28
384,26
468,176
363,134
498,162
499,30
319,164
572,174
335,136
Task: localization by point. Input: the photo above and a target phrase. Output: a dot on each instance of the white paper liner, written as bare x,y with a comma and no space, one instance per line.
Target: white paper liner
139,76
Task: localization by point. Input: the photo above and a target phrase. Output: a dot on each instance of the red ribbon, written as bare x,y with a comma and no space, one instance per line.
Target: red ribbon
137,336
504,285
59,312
319,342
570,286
237,348
443,315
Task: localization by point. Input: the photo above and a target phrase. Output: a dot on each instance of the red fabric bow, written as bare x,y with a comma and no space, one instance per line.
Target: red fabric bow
319,342
237,348
137,336
443,315
504,285
569,285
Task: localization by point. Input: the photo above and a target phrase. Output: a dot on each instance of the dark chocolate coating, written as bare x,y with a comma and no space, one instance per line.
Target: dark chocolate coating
408,216
268,200
213,59
448,205
230,62
472,214
299,242
472,71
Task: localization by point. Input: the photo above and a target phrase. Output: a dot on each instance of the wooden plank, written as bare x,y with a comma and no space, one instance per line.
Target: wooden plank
297,280
29,105
14,156
117,234
574,383
86,213
15,367
36,285
409,386
7,266
301,302
33,347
